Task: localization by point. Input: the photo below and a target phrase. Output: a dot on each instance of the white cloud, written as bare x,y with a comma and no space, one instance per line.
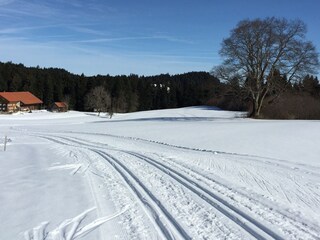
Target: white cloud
116,39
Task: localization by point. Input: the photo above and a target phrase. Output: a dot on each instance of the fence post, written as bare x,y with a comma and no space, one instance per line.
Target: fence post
5,143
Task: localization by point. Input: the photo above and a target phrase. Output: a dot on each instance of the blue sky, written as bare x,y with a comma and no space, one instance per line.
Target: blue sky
144,37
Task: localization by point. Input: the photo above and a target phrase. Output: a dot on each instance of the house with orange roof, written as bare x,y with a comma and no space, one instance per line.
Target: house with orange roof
59,107
18,101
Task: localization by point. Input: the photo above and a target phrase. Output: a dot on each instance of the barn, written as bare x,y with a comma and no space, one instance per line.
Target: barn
18,101
59,107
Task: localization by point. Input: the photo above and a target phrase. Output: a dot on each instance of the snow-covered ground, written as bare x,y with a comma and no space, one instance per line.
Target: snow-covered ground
190,173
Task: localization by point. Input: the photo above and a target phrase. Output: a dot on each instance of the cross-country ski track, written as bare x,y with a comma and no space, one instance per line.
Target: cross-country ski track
190,173
192,183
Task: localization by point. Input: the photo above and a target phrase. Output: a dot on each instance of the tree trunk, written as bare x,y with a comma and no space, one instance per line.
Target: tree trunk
256,107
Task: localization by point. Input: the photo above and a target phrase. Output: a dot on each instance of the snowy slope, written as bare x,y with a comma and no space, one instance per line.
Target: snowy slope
190,173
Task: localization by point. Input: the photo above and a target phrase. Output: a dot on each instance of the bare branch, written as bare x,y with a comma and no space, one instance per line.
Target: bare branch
256,48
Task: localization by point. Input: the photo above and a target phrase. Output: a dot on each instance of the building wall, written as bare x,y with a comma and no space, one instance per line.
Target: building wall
14,107
9,107
30,107
3,107
59,109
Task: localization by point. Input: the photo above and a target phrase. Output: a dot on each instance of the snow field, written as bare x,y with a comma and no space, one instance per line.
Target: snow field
191,173
289,228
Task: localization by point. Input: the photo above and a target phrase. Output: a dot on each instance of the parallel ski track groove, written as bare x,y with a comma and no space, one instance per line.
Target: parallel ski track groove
269,160
79,141
110,160
192,185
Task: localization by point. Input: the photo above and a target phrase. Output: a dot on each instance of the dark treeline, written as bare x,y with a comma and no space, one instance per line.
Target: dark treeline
300,100
128,93
286,100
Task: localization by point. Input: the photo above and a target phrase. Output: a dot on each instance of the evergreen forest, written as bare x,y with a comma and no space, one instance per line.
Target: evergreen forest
300,100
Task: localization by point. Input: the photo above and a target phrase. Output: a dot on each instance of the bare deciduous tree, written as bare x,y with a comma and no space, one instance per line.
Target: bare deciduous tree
99,100
258,48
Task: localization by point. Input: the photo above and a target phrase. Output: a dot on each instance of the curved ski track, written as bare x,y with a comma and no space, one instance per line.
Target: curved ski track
163,221
264,160
247,223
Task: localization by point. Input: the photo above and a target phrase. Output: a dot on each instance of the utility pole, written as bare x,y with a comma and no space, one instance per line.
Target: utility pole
5,143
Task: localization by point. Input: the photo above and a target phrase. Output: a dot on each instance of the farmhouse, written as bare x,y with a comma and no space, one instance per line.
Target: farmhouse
18,101
59,107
